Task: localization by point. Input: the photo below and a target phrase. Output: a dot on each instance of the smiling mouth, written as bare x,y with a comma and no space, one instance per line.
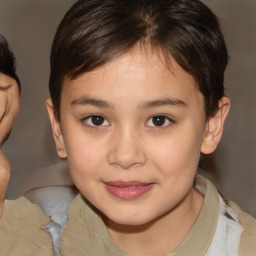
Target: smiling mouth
128,190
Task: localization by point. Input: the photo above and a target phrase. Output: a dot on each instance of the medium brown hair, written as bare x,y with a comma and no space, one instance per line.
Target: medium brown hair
95,32
7,61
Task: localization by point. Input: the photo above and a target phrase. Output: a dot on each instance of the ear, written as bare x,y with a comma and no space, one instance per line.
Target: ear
214,127
56,129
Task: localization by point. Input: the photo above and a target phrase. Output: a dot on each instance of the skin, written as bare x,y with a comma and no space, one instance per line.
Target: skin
9,107
129,145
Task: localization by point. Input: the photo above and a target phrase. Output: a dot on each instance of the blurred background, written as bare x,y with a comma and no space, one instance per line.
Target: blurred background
29,26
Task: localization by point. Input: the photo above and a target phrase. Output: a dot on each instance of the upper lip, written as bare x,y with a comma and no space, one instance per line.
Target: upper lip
124,184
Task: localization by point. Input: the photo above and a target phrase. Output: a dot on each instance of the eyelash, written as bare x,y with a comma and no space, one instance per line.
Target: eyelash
166,121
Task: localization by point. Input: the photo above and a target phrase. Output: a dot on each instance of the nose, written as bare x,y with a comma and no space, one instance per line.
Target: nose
127,150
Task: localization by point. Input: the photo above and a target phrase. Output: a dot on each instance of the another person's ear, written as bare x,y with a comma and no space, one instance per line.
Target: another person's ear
215,126
56,129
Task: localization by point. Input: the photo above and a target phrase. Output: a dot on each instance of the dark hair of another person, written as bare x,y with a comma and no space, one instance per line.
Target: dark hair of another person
95,32
7,61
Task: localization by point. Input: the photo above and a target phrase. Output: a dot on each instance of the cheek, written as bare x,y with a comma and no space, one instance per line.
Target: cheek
177,155
14,99
177,163
85,159
16,108
85,163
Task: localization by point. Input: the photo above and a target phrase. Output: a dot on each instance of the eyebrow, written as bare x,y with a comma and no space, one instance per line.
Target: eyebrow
147,104
163,102
90,101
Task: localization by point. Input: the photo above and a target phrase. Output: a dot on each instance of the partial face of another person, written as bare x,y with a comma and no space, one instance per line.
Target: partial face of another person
9,105
133,131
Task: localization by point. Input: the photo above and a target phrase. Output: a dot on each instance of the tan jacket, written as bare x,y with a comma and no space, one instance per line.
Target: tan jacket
86,234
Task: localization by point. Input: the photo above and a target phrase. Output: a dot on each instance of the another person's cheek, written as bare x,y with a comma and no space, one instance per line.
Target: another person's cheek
3,101
5,172
9,108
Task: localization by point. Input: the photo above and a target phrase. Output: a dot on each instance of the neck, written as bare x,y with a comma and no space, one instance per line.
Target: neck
162,235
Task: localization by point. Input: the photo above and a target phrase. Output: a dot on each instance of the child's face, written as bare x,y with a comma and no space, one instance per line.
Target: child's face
133,132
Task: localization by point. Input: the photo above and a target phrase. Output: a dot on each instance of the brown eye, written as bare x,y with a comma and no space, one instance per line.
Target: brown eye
96,120
158,121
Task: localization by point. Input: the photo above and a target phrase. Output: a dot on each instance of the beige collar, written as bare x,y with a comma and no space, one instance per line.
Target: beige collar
93,239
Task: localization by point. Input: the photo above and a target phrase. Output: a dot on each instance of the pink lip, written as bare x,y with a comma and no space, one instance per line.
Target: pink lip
128,190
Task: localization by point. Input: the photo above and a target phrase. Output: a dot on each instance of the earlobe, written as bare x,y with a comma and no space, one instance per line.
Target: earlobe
56,129
215,126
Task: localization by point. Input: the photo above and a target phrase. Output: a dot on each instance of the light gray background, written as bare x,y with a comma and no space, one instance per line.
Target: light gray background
29,26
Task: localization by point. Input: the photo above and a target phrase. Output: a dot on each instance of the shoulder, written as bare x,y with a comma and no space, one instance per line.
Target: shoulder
22,209
20,229
247,245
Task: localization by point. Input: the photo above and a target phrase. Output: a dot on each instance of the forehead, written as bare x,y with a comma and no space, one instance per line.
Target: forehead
138,74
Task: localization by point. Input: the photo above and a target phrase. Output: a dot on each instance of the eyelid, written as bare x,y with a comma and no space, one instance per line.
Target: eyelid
5,88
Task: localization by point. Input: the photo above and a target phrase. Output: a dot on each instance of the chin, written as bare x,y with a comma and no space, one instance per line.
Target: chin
125,219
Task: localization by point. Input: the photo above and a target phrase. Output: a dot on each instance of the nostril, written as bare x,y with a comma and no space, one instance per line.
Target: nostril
127,158
127,149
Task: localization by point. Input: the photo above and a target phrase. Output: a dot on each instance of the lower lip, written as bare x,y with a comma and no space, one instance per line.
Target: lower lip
127,193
